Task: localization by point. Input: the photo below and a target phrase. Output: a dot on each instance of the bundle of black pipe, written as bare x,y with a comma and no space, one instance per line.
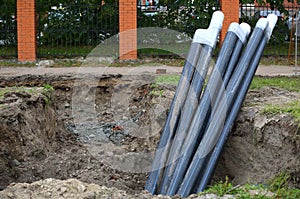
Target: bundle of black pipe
232,45
199,140
198,59
236,104
224,108
187,135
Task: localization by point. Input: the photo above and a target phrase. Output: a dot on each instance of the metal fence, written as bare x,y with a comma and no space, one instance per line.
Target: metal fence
179,17
282,41
74,29
8,31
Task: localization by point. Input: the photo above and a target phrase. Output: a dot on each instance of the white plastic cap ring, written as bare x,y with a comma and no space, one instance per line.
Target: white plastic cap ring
217,20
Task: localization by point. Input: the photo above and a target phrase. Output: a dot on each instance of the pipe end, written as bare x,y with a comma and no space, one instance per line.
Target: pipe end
246,28
217,20
262,23
272,19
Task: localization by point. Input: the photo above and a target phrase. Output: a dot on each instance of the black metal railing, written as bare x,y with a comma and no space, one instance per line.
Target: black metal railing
8,31
181,18
74,29
282,40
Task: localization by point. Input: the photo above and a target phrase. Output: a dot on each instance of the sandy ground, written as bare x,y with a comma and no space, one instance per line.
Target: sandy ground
270,70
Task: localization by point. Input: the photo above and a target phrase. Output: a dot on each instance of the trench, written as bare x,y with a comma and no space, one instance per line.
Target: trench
104,130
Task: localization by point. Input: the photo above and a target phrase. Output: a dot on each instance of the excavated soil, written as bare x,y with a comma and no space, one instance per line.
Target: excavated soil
104,130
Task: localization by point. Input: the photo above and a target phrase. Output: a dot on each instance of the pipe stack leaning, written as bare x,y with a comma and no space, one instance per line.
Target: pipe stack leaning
200,120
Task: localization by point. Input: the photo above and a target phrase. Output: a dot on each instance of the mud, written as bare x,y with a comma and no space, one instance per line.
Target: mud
104,130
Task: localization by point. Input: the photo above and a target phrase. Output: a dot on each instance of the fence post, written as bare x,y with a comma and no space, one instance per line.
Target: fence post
230,8
26,27
128,29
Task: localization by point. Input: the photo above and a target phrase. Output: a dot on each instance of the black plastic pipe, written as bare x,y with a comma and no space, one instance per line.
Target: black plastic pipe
272,19
187,112
160,158
243,38
173,117
198,124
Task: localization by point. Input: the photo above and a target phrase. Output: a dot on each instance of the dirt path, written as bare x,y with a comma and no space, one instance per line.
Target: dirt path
271,70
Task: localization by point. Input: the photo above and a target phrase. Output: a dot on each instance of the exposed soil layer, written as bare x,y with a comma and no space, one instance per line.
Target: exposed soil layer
104,130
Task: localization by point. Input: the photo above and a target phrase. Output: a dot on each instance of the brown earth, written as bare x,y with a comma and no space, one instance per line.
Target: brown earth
86,128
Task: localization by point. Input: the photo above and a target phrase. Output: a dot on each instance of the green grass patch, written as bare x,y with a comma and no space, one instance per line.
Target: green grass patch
167,79
156,92
46,91
223,188
287,83
276,187
5,90
279,186
292,108
16,63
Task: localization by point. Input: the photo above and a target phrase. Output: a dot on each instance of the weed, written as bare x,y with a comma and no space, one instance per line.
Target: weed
279,185
221,188
47,93
245,191
48,88
278,182
277,188
157,92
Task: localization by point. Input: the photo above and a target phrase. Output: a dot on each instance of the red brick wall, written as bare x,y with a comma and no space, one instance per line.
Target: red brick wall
128,29
230,8
26,30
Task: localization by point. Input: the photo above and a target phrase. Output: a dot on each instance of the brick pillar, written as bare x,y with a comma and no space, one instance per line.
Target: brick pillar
230,8
26,30
128,29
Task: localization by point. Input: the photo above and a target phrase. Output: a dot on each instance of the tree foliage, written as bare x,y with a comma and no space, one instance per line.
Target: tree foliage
181,15
80,22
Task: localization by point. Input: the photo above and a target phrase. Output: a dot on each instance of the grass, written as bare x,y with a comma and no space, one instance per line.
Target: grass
46,91
245,191
287,83
5,90
16,63
276,187
167,79
163,80
293,108
279,186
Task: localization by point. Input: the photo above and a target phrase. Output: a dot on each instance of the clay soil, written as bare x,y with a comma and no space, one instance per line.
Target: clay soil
94,136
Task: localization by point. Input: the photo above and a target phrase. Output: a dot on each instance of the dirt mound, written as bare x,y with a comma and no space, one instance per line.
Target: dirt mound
262,146
50,136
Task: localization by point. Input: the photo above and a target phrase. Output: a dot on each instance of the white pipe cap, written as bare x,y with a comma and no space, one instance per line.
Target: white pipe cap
272,19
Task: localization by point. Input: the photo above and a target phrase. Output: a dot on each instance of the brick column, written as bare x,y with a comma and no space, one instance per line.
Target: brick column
26,30
230,8
128,29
